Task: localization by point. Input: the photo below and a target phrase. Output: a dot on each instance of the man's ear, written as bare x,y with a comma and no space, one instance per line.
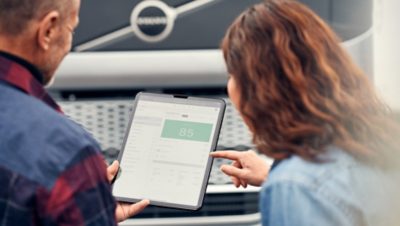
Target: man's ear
48,29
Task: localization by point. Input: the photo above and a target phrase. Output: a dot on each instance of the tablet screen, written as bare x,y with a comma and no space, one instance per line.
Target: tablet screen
166,151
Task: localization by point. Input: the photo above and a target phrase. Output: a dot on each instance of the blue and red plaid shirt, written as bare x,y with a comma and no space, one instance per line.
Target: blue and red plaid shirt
51,172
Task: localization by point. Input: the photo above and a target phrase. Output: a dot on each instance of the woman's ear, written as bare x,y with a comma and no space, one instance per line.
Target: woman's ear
48,29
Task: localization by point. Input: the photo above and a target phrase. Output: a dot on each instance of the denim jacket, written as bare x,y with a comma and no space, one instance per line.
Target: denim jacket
341,191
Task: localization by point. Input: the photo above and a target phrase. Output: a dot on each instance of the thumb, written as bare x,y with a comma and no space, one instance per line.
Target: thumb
112,170
138,207
232,171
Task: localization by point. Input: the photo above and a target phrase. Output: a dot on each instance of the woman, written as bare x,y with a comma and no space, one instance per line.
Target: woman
312,110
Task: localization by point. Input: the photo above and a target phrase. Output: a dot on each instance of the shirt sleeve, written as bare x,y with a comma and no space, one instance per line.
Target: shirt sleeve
289,203
81,195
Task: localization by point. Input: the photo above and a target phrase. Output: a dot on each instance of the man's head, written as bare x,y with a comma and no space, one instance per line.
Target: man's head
40,31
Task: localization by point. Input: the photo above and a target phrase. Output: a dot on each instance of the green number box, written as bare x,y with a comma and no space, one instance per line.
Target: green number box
184,130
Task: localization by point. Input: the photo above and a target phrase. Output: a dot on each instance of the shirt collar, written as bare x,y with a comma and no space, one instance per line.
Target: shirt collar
275,164
32,69
26,77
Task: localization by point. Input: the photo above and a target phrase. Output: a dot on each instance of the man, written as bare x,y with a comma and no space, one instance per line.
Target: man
51,172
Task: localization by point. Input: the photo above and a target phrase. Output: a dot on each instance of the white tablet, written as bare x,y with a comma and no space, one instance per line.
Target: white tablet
165,154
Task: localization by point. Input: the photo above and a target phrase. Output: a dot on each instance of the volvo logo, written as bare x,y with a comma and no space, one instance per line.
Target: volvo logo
152,21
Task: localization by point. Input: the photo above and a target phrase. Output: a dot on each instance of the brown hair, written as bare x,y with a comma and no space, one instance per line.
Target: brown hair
300,91
16,14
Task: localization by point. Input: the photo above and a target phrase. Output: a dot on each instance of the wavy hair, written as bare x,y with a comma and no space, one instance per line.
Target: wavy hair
300,91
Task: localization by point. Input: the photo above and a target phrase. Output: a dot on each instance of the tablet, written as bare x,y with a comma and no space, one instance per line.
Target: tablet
165,154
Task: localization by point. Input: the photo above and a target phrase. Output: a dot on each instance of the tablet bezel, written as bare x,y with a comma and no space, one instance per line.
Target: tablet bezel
181,99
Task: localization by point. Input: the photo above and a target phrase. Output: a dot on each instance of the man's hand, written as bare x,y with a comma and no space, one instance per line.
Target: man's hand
124,210
247,167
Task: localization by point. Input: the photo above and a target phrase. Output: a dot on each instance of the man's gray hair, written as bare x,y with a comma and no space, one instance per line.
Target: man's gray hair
16,14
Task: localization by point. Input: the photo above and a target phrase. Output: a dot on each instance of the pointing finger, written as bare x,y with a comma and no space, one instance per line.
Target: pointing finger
232,155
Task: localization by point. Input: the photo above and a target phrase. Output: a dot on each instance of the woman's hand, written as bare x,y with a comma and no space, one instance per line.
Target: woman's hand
247,167
124,210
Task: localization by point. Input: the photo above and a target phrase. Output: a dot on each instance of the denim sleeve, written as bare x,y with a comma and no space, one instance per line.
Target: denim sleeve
80,196
289,203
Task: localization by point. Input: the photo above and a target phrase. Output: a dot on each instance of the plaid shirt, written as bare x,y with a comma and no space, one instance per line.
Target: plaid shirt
51,172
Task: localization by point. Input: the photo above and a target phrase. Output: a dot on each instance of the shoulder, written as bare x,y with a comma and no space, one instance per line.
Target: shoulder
32,118
308,189
336,166
38,142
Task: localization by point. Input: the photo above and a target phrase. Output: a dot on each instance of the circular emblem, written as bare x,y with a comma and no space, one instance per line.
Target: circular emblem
152,21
